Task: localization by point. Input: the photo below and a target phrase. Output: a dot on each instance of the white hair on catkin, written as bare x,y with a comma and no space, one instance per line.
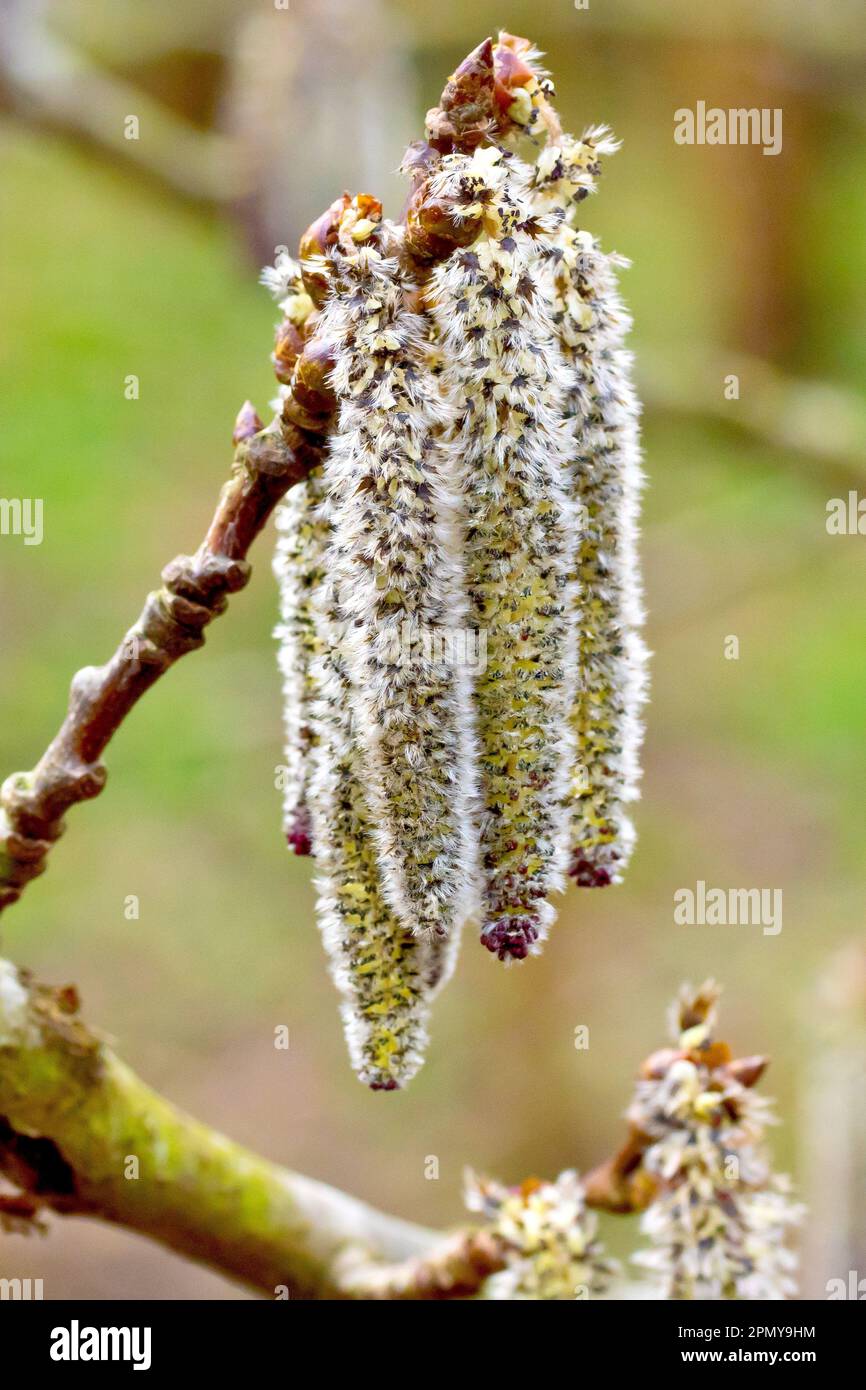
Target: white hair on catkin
385,974
592,325
395,557
503,369
298,566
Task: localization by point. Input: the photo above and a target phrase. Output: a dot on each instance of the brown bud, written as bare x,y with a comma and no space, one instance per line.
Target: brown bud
622,1184
311,400
747,1070
269,453
510,67
247,423
288,346
319,237
697,1008
466,108
712,1055
513,69
432,231
359,221
470,86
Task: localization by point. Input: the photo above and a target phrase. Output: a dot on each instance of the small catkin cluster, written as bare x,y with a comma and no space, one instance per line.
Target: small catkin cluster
395,551
459,600
548,1238
719,1216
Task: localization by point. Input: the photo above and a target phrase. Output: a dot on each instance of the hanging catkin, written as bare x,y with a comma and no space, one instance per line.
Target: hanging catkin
592,324
297,568
395,555
504,373
460,601
386,974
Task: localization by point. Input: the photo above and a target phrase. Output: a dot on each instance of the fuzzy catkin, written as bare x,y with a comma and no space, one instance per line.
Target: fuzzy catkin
606,479
395,552
301,536
298,566
719,1218
386,975
548,1238
504,373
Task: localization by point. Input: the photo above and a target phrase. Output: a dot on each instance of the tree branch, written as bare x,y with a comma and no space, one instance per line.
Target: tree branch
83,1135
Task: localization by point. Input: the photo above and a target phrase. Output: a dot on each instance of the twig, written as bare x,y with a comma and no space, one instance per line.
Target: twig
194,591
456,1267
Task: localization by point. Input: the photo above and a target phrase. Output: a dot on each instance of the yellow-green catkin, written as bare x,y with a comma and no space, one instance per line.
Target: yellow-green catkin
548,1238
395,554
606,479
504,373
385,973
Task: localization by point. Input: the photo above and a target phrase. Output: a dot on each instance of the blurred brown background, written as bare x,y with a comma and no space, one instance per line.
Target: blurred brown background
122,257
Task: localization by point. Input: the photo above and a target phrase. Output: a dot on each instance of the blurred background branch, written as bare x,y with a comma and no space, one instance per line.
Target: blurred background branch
51,81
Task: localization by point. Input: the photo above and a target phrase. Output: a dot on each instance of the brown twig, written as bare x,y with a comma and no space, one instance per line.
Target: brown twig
456,1267
195,590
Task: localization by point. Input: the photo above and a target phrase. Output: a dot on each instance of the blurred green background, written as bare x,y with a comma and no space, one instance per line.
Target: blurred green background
140,257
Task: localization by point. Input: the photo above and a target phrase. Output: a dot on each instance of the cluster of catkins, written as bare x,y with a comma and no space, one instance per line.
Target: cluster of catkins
716,1215
462,665
719,1216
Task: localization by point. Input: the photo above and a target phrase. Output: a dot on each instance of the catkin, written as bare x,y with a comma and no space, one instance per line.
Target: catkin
386,974
395,553
504,373
606,478
720,1217
298,566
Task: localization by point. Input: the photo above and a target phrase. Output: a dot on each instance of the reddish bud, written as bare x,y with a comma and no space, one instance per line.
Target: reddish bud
247,423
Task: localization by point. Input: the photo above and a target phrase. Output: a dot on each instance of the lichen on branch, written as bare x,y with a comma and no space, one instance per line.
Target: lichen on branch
74,1117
